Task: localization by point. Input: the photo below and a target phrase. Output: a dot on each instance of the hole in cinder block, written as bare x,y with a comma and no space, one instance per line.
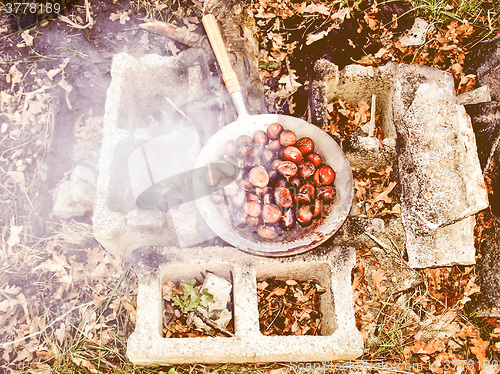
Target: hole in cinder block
297,299
183,282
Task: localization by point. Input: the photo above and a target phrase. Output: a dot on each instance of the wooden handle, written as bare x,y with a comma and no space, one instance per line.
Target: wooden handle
228,74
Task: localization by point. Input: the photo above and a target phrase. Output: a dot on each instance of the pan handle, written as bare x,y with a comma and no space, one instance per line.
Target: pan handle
228,74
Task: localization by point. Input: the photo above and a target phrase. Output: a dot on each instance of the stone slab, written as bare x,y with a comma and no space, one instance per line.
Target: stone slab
331,267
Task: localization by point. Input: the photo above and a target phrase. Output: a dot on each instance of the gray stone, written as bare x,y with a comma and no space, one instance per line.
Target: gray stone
417,34
217,310
488,266
484,62
479,95
331,267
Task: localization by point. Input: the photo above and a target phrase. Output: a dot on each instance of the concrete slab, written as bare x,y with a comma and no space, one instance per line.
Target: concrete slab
331,267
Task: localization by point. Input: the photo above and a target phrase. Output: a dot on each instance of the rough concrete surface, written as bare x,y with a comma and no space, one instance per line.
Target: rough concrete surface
331,267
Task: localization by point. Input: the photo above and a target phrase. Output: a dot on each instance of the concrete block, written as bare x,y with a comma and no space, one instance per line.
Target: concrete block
331,267
144,102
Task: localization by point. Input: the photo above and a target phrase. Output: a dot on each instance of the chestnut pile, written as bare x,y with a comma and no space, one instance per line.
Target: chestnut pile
277,180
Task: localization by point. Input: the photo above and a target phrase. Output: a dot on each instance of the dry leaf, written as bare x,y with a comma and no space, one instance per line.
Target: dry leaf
378,277
14,238
65,85
478,347
311,38
122,16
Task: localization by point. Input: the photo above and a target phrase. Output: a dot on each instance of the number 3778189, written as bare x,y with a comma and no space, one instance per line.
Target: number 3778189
32,7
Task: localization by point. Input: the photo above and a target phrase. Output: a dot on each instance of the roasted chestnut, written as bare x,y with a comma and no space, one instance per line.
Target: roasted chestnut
306,169
271,213
243,150
287,168
302,198
267,232
238,199
283,197
274,130
324,175
258,176
305,145
318,208
308,189
252,208
266,156
217,197
314,158
291,153
287,137
260,137
326,193
253,221
242,139
275,145
252,197
304,215
240,218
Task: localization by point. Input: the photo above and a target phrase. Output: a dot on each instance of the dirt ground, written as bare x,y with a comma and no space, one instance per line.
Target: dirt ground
68,306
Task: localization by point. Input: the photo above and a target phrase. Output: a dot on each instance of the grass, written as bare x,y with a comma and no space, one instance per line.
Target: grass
482,14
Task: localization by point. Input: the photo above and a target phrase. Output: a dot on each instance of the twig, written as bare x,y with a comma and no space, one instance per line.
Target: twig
46,327
371,128
212,324
179,34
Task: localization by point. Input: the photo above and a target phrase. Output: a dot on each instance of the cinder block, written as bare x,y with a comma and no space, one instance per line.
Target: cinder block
331,267
143,88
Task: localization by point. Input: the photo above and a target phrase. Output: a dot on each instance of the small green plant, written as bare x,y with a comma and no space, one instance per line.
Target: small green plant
192,298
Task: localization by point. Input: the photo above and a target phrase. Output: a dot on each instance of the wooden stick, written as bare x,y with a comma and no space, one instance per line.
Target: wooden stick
212,324
371,128
179,34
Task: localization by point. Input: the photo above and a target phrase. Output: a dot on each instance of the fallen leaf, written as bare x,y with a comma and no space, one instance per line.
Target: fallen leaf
122,16
65,85
478,347
14,238
378,277
311,38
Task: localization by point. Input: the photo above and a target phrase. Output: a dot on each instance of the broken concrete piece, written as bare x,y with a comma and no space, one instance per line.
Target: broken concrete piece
217,311
483,61
479,95
365,152
437,157
439,169
75,197
448,245
417,34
